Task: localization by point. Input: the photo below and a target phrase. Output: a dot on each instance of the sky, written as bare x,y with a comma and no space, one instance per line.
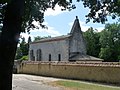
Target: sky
60,22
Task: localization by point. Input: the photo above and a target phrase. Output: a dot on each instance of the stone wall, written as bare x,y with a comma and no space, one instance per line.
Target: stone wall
107,72
53,48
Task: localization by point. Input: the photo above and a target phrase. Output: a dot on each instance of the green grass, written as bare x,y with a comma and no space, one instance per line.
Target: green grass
84,86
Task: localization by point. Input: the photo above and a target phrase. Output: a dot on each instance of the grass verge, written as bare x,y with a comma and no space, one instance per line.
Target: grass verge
75,85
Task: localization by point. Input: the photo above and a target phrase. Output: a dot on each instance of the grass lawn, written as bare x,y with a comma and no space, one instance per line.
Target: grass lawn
75,85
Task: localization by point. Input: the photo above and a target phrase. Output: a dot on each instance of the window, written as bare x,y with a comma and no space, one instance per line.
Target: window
59,57
39,55
32,55
49,57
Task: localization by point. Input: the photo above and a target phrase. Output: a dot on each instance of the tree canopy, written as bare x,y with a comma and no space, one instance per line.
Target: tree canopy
22,49
110,42
92,41
37,38
100,9
104,44
34,10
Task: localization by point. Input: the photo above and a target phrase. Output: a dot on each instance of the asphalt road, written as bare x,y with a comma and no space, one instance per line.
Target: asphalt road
30,82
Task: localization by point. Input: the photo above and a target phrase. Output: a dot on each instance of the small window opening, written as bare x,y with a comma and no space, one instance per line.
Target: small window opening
49,57
59,57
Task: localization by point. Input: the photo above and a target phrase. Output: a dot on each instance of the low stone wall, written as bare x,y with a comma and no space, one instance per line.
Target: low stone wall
101,72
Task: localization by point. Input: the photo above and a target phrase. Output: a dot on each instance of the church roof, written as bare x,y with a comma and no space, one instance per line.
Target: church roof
58,38
76,24
83,57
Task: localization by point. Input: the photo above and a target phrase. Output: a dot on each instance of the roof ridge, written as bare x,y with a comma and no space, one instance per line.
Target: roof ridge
62,37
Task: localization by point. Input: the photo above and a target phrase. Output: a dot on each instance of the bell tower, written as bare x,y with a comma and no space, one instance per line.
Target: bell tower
77,43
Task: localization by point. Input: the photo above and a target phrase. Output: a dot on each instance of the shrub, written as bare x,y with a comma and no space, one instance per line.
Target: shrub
24,58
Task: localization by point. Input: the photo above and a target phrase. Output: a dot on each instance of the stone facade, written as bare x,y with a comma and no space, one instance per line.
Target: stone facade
69,47
55,50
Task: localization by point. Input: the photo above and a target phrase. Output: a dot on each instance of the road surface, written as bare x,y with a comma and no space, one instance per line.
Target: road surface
30,82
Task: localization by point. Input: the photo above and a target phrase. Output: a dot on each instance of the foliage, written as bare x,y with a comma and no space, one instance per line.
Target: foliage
110,42
18,53
106,54
24,58
22,49
105,44
92,41
29,40
37,38
34,10
100,9
119,57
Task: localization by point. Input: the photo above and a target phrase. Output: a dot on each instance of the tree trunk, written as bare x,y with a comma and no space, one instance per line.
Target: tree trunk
8,41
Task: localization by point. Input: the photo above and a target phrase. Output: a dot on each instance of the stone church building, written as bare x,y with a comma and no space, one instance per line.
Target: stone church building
69,47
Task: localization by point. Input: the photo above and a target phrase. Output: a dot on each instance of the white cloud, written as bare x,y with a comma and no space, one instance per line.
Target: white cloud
50,31
25,35
56,11
44,31
41,32
99,29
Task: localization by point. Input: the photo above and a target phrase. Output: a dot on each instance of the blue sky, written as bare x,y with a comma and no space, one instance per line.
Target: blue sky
60,22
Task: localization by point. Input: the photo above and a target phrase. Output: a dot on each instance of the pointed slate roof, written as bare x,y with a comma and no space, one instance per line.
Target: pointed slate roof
76,24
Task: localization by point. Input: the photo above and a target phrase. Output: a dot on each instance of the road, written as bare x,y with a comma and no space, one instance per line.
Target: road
30,82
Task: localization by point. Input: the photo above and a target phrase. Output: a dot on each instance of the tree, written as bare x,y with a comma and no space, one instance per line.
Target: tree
110,42
37,38
16,16
29,40
8,41
100,9
24,47
18,53
92,41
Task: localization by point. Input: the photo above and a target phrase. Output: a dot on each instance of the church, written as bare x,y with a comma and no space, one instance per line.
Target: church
71,47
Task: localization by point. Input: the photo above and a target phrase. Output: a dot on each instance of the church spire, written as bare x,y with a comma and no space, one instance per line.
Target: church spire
76,25
76,17
77,42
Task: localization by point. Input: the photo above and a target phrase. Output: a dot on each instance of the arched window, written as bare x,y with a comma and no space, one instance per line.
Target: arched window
32,55
39,55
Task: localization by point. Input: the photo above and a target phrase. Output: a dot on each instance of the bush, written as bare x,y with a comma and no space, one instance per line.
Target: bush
24,58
